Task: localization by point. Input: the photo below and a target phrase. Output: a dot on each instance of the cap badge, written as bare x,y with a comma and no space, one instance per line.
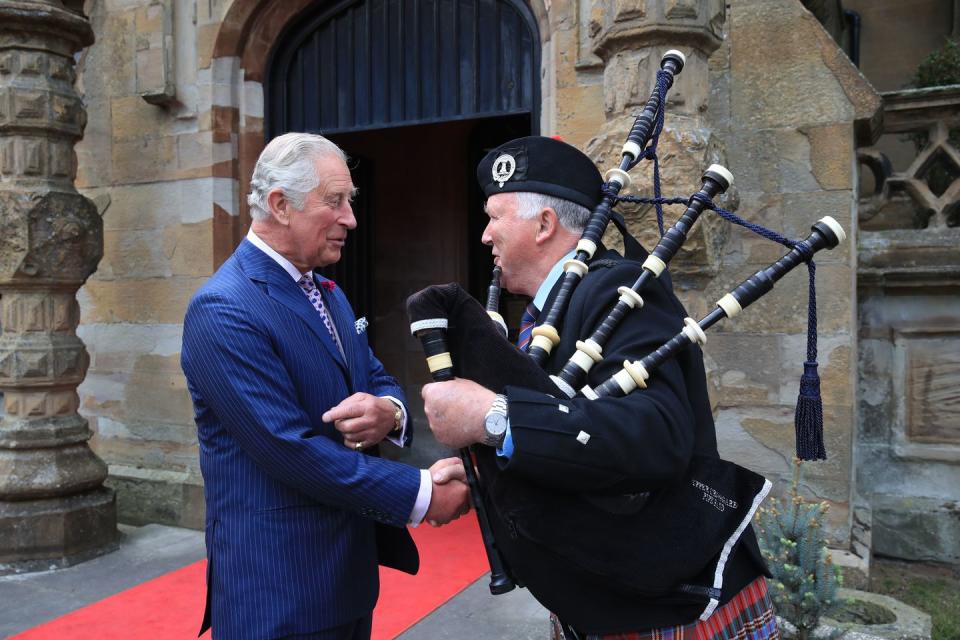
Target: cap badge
503,168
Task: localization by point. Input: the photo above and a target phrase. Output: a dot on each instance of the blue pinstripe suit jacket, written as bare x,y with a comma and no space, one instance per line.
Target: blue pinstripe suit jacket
291,512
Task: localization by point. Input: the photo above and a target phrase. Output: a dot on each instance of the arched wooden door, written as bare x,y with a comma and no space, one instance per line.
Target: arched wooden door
415,91
369,64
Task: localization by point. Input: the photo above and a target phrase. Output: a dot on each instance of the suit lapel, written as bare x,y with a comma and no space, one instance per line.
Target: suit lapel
281,287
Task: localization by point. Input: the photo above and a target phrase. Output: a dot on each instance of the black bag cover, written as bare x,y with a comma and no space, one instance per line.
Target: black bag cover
479,352
672,542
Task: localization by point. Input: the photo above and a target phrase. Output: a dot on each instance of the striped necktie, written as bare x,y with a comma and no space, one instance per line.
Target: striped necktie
526,326
313,295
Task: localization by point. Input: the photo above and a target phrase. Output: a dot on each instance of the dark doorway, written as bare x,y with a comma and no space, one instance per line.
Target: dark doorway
415,91
427,218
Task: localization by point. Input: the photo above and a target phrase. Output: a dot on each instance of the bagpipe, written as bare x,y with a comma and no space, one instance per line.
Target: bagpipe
715,499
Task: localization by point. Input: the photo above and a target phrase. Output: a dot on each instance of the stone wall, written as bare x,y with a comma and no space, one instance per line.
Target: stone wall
909,355
783,109
909,434
790,107
152,164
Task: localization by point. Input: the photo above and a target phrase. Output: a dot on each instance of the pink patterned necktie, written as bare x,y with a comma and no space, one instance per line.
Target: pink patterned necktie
313,295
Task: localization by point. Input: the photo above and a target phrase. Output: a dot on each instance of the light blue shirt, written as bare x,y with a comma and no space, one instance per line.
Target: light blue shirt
506,449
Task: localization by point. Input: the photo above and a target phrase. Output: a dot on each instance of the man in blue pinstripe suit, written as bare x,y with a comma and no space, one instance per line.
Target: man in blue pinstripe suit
290,404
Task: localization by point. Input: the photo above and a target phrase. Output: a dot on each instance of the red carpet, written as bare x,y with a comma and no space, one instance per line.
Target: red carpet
171,606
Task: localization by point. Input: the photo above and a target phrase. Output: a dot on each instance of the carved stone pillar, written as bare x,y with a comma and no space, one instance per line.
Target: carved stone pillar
630,37
54,510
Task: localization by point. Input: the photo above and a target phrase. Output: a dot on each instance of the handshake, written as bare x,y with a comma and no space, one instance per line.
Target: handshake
450,497
364,420
455,410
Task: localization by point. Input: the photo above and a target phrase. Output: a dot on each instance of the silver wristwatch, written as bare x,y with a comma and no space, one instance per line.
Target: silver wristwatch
495,422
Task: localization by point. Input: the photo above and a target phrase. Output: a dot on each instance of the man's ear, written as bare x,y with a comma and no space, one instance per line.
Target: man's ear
278,206
547,224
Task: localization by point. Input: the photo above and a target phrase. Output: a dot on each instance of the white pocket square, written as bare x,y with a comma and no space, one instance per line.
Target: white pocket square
361,325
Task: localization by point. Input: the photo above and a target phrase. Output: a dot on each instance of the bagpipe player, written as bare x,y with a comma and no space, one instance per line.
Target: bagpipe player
566,479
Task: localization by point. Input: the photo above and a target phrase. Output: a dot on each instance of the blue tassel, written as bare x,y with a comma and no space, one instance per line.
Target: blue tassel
808,420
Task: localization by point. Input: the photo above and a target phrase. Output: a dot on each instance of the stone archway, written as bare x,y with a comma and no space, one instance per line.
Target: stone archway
245,36
247,33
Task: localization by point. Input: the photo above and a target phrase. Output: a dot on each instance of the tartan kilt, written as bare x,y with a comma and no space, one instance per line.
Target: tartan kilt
748,616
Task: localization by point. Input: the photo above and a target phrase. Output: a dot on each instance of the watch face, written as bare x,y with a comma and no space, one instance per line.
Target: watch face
496,424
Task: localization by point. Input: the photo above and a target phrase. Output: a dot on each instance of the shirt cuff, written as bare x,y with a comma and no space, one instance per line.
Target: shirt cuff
505,450
423,498
398,439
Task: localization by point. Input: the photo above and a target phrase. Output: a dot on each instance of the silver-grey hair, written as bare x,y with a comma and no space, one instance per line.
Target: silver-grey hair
288,162
573,217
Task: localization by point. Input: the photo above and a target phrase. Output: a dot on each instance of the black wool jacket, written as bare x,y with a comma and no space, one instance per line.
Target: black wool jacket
609,533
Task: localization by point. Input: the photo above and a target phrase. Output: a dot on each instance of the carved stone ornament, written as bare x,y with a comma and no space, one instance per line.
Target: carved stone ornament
54,510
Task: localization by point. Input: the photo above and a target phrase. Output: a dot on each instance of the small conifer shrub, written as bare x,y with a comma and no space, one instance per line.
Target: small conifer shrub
792,540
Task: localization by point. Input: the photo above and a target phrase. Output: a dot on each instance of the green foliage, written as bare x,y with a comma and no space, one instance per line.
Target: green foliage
934,589
805,581
942,67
